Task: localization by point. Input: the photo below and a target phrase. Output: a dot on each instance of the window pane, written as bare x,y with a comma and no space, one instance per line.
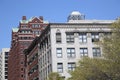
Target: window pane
70,37
96,52
70,52
71,66
95,37
82,37
59,52
60,67
83,51
58,37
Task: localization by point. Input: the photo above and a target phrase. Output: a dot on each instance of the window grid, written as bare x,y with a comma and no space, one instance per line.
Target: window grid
71,66
95,37
59,52
70,52
96,52
60,67
82,37
70,38
83,52
58,37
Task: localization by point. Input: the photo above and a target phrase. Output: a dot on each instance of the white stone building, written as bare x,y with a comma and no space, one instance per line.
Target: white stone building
63,44
4,64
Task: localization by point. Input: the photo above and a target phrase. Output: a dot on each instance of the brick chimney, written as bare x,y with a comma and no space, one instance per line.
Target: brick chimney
41,18
24,18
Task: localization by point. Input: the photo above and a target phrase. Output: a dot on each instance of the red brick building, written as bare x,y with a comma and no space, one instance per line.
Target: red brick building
31,61
21,39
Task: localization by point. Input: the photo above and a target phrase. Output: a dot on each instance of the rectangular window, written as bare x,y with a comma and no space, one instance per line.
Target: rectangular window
6,53
60,67
70,37
6,69
82,37
35,25
83,52
95,37
70,52
6,77
71,66
59,52
37,32
96,52
6,73
58,37
24,26
6,65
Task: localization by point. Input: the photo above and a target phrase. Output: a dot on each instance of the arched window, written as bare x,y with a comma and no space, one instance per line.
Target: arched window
58,37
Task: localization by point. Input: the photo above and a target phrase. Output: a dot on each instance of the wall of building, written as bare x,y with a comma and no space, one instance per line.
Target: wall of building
4,64
21,39
90,34
32,64
76,30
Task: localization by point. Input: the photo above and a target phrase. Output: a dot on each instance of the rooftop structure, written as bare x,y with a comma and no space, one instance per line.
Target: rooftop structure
75,15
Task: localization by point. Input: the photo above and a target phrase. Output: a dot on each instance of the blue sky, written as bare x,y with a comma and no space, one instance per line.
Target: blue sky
11,12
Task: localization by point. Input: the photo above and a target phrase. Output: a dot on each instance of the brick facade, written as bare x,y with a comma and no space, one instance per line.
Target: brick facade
31,61
21,39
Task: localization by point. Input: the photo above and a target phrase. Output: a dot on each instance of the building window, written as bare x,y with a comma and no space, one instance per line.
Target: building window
6,61
83,52
58,37
6,69
37,32
21,62
35,25
25,31
71,66
6,65
24,26
6,73
96,52
82,37
59,52
60,67
70,52
70,37
22,76
95,37
22,69
6,53
6,77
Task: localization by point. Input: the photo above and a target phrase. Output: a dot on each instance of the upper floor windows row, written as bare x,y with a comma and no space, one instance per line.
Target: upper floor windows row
35,25
24,26
96,52
70,37
25,38
25,31
37,32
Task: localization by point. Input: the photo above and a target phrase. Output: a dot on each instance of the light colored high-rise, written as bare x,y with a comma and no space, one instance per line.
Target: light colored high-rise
63,44
4,64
